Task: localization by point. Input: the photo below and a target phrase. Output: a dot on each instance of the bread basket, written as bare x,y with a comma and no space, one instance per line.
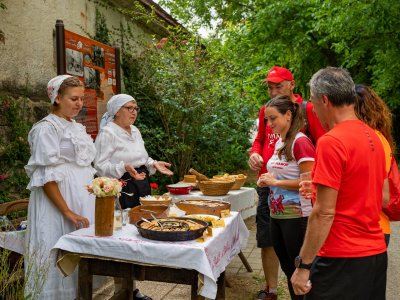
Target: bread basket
216,187
239,180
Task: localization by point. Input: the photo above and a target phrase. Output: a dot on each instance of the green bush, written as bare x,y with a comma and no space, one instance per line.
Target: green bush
14,154
194,113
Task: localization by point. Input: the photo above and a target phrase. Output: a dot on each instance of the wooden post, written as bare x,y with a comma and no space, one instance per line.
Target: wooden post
221,287
245,262
118,69
60,48
85,280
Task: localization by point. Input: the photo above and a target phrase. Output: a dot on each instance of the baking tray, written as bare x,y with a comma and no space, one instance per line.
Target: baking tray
172,236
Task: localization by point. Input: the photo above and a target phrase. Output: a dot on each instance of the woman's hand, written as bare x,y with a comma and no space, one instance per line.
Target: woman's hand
131,170
161,166
77,220
306,189
255,161
267,179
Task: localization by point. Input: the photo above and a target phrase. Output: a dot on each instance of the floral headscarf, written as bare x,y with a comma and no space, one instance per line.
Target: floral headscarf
54,85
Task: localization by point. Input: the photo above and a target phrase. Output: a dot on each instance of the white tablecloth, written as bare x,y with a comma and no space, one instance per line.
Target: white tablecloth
243,200
209,258
13,241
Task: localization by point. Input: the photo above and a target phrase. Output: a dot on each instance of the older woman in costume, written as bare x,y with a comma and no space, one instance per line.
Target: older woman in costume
59,168
121,152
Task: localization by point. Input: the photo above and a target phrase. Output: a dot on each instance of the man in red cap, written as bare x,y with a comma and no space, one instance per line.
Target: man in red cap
280,82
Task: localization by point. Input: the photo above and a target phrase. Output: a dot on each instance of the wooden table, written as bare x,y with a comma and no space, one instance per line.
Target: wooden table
128,271
128,255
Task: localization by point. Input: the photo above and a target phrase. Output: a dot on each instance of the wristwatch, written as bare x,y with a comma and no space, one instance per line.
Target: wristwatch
298,263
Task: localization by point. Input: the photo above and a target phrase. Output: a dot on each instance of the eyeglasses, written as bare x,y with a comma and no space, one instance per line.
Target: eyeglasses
131,109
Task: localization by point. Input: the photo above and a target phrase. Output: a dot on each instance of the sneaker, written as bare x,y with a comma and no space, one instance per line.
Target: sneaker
266,295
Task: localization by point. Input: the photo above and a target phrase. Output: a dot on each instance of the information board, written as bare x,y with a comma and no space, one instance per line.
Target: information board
95,65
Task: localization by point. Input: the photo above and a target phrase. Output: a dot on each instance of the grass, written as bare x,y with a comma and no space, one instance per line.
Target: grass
12,277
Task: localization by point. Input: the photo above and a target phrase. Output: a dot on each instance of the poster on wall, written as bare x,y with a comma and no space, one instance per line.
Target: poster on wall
96,66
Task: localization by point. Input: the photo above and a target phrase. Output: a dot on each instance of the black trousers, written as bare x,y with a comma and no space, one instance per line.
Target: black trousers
287,238
349,278
139,188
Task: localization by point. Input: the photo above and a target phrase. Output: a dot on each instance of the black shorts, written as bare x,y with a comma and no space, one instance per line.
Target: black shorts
348,278
263,219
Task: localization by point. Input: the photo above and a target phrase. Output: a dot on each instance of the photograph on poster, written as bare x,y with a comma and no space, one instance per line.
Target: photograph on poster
87,58
74,62
98,56
92,78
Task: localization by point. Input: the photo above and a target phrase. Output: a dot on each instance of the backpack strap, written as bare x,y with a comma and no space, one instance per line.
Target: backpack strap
306,124
304,106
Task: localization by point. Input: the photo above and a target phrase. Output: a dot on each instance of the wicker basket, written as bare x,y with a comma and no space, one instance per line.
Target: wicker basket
239,181
161,199
216,187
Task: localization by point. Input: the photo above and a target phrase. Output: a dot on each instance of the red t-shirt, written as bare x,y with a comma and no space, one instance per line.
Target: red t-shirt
351,160
265,140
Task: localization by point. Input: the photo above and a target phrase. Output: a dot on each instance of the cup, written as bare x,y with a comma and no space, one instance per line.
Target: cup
306,192
125,216
117,220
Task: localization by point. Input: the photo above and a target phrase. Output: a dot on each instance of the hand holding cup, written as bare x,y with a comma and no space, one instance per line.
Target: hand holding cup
306,187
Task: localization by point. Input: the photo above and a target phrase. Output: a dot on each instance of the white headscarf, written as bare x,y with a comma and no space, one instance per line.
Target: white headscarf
113,106
54,85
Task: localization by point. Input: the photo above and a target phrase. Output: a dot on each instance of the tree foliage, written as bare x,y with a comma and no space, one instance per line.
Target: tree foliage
306,35
194,111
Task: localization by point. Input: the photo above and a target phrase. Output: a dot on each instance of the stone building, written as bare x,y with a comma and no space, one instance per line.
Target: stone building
28,61
28,57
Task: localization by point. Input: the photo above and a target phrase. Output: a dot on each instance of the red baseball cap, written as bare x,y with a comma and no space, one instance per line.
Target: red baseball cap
277,74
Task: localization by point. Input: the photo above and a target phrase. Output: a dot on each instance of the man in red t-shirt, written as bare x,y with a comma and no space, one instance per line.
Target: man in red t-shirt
344,252
280,82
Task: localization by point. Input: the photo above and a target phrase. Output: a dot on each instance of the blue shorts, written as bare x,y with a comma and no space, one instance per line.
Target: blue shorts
263,219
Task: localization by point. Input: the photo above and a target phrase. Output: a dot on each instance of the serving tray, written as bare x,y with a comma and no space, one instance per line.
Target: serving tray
172,236
207,207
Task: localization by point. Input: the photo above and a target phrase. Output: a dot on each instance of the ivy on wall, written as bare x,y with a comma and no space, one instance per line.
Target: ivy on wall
14,154
2,7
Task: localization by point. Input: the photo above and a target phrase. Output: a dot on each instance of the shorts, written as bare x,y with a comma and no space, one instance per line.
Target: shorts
348,278
263,219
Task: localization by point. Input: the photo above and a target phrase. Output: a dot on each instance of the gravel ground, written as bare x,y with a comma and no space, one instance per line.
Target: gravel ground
393,286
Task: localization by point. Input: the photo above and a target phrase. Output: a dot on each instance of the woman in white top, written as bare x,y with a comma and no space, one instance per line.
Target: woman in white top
294,154
121,152
59,168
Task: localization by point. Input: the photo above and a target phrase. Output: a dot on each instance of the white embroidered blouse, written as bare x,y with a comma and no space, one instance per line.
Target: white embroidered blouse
116,147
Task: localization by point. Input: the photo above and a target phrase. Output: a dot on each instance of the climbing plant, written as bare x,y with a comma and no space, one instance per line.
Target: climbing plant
14,154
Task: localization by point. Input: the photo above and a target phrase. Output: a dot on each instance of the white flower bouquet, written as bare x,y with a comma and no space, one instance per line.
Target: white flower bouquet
105,187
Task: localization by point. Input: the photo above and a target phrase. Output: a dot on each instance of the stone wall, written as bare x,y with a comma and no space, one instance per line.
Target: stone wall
28,58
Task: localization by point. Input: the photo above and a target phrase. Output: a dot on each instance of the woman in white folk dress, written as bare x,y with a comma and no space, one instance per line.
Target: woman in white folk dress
121,154
59,168
121,151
